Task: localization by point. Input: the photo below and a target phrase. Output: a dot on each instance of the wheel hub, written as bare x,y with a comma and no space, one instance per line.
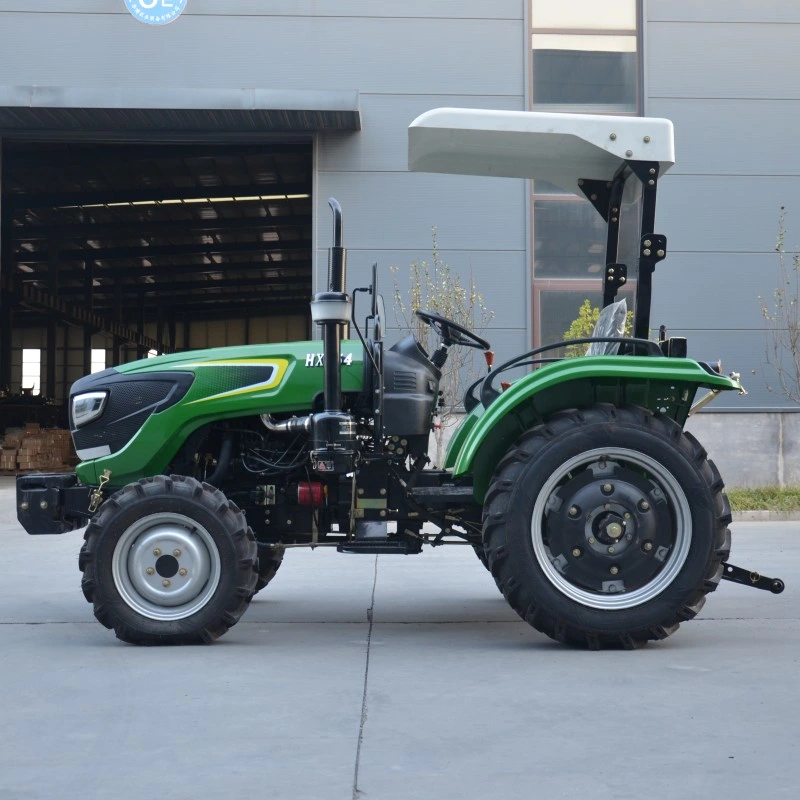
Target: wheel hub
608,528
166,566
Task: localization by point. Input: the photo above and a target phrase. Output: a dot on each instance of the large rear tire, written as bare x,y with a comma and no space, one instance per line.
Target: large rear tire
168,560
606,527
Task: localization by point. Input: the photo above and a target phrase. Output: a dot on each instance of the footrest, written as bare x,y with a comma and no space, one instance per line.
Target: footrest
377,546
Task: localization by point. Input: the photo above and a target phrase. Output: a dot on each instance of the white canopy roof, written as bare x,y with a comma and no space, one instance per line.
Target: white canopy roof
560,148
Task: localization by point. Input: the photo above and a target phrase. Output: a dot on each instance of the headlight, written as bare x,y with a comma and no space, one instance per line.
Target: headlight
87,407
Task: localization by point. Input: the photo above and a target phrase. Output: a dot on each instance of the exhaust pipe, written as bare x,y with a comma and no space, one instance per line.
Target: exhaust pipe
333,448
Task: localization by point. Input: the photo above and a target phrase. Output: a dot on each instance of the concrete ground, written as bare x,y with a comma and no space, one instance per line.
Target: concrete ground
443,694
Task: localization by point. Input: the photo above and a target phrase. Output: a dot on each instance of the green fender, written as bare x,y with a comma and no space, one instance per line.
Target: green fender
664,385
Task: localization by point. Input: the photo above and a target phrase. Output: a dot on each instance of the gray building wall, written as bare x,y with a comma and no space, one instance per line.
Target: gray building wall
725,72
402,57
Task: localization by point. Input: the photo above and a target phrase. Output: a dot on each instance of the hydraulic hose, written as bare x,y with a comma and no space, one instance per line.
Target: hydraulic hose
223,462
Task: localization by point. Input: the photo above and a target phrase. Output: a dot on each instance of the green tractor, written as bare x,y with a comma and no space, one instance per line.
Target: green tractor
601,520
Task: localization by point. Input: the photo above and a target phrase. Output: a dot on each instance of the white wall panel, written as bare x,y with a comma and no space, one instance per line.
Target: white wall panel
448,9
721,59
499,276
391,55
780,11
713,290
732,137
395,211
726,214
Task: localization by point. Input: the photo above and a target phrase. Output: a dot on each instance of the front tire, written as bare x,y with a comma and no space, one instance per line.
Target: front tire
168,560
270,558
606,527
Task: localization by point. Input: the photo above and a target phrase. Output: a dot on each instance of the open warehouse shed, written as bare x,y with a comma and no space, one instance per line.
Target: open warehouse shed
126,233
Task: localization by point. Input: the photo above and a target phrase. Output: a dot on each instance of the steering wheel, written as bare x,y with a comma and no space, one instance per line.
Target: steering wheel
451,332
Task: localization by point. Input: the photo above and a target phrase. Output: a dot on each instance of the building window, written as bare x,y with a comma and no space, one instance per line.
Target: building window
32,369
98,360
585,58
586,73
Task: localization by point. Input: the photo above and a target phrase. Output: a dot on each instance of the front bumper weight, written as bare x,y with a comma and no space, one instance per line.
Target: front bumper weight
750,578
52,503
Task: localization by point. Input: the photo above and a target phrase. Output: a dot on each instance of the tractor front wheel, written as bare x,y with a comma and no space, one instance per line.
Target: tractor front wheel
270,558
606,527
168,560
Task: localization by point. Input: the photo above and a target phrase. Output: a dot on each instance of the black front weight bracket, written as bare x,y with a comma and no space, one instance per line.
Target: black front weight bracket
754,579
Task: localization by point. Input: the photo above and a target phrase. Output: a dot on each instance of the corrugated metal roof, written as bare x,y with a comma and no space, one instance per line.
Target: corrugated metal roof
148,111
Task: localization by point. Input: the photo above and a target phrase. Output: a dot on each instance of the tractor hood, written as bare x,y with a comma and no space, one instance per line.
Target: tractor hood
132,419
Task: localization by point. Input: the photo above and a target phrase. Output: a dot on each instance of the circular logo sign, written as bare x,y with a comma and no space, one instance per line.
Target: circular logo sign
156,12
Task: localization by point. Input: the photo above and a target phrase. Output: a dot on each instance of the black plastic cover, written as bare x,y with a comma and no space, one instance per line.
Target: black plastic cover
411,389
132,399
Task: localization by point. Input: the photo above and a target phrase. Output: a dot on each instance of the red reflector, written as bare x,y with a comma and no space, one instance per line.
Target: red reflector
310,493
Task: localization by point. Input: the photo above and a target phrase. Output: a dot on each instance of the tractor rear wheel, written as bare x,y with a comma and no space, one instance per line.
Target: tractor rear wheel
606,527
168,560
270,559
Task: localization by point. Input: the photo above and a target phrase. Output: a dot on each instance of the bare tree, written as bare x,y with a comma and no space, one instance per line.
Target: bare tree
781,320
436,287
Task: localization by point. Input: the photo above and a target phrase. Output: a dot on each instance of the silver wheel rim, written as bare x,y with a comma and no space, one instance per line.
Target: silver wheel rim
166,566
681,537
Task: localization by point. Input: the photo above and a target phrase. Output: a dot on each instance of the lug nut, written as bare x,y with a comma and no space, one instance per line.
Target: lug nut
157,552
43,505
176,552
150,571
611,549
614,570
182,572
626,515
614,530
591,540
574,511
166,583
647,546
607,488
644,506
24,506
577,552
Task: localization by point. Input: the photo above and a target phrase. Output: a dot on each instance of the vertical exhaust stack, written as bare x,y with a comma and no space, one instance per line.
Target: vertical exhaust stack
333,430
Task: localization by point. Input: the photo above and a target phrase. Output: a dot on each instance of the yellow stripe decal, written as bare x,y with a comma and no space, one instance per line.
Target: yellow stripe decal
279,364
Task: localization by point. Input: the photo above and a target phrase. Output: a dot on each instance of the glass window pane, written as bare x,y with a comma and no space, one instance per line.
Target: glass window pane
569,239
585,73
559,307
629,227
584,14
98,360
31,369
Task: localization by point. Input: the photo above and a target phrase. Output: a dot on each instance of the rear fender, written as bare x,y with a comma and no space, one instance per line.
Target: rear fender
663,385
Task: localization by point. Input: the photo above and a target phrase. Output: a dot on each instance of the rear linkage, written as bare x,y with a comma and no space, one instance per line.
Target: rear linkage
754,579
